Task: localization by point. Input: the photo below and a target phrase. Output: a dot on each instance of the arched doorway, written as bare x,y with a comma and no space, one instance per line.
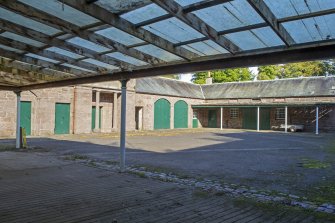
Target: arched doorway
162,114
180,114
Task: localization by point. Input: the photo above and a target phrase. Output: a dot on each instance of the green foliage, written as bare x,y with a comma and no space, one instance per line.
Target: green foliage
172,76
315,164
291,70
227,75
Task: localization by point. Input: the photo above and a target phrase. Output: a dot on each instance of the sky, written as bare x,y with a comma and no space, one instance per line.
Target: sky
187,77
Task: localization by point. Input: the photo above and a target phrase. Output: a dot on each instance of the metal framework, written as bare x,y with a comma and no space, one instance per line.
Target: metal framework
66,42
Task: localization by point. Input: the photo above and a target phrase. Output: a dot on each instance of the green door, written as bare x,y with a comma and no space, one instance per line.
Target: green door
249,118
212,119
94,113
180,114
25,120
162,114
264,119
62,118
195,123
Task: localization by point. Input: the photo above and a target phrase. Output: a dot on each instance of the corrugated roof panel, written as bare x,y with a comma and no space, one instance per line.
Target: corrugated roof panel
255,39
127,59
101,64
119,6
10,49
87,44
42,58
187,2
22,39
29,23
312,29
119,36
173,30
206,48
158,52
64,52
62,11
78,68
143,14
229,15
285,8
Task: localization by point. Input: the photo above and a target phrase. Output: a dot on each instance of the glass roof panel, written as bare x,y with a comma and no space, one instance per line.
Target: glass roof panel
10,49
312,29
29,23
173,30
229,15
127,59
143,14
76,67
119,36
22,39
101,64
62,11
158,52
64,52
255,39
206,48
41,58
87,44
187,2
285,8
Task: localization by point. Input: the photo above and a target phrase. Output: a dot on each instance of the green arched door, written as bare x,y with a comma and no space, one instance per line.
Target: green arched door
162,114
180,114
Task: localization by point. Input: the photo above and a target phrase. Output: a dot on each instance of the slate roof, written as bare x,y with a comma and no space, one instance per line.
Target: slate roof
294,87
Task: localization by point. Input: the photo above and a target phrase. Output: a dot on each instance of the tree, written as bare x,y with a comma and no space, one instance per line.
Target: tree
172,76
301,69
227,75
270,72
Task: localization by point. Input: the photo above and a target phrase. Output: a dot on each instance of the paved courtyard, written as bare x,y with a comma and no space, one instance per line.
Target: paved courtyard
41,186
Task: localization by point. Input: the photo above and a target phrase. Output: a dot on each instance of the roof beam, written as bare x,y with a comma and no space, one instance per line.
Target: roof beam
112,19
43,38
307,15
195,22
65,26
318,51
203,4
264,11
52,55
67,71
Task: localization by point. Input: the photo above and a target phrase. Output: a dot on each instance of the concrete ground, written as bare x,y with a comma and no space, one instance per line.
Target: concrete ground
294,163
40,187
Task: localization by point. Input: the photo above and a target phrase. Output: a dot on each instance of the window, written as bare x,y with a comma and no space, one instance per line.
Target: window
234,112
280,113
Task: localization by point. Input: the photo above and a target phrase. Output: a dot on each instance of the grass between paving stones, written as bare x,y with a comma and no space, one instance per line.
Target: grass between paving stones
74,157
7,147
157,169
322,193
276,207
314,164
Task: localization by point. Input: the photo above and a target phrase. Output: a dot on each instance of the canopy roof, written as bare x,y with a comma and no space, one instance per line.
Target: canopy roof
53,43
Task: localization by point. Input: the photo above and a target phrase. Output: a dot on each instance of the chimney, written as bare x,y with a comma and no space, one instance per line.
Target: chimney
209,79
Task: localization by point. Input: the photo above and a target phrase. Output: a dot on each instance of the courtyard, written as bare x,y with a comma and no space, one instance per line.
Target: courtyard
48,182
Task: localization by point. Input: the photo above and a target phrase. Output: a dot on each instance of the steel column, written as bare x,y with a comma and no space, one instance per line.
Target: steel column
221,117
123,125
18,119
97,111
317,120
286,119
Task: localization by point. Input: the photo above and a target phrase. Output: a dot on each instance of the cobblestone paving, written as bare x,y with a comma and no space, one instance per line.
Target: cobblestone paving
64,191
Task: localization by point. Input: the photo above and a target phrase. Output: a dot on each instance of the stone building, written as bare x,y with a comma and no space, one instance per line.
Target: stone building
160,103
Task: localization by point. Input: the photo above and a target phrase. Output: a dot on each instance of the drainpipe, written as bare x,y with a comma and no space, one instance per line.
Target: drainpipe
18,119
221,116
